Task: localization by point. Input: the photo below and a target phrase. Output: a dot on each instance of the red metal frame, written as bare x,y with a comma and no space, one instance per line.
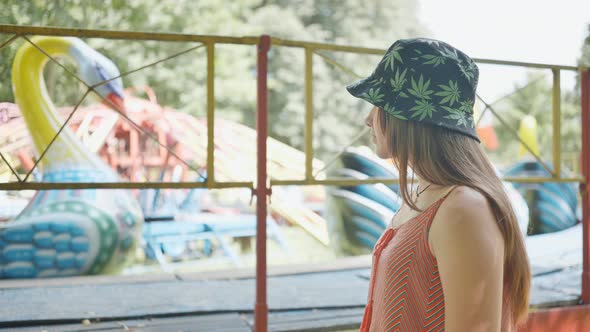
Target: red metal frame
261,308
586,186
560,319
574,317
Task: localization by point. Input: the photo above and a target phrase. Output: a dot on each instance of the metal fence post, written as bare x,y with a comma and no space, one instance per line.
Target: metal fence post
261,309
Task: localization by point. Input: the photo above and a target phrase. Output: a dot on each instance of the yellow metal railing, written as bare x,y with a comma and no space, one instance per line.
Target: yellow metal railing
208,42
310,49
313,48
556,105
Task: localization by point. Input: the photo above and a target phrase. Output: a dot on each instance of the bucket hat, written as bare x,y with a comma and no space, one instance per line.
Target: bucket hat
424,80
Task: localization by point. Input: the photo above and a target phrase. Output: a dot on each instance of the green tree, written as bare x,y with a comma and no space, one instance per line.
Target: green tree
373,24
585,56
179,83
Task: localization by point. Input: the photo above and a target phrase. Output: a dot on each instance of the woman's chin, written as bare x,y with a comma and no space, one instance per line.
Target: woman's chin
381,154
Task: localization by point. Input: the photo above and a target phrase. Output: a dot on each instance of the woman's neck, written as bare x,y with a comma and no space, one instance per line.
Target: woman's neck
424,187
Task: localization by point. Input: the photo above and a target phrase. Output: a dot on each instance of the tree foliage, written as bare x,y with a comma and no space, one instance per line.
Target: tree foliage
585,56
180,83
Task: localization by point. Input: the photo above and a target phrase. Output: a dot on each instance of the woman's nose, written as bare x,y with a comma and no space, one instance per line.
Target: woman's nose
369,120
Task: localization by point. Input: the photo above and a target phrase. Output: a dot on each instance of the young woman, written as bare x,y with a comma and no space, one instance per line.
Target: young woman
453,258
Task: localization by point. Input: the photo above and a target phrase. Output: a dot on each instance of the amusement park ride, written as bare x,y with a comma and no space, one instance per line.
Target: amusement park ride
146,142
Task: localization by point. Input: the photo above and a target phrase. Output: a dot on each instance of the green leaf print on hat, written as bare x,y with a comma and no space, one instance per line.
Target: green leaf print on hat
423,109
420,90
450,93
467,106
468,70
392,56
374,96
398,82
456,115
391,110
433,59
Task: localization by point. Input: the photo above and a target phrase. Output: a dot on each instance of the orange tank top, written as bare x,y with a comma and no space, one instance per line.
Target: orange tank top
405,291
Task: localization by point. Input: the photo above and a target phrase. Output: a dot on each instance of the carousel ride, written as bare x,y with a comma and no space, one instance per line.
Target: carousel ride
66,232
94,231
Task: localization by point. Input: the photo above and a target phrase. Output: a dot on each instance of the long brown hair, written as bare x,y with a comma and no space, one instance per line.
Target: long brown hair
444,157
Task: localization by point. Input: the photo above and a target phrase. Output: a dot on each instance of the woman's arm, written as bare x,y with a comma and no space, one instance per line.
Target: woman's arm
469,249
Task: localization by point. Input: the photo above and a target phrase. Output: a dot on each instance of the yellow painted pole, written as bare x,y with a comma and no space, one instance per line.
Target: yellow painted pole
333,182
355,182
222,185
544,179
525,64
326,47
248,40
556,123
210,114
308,129
377,51
124,35
119,185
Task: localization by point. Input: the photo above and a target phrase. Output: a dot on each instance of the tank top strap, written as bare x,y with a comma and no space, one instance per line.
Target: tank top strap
439,203
449,192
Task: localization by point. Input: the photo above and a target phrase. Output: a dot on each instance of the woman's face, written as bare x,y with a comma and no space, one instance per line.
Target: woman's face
377,135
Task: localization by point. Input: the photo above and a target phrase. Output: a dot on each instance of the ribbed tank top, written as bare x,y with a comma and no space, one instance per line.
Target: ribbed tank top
405,291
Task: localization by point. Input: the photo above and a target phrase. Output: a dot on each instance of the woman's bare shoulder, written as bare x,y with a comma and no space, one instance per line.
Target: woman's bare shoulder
469,252
465,200
465,215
